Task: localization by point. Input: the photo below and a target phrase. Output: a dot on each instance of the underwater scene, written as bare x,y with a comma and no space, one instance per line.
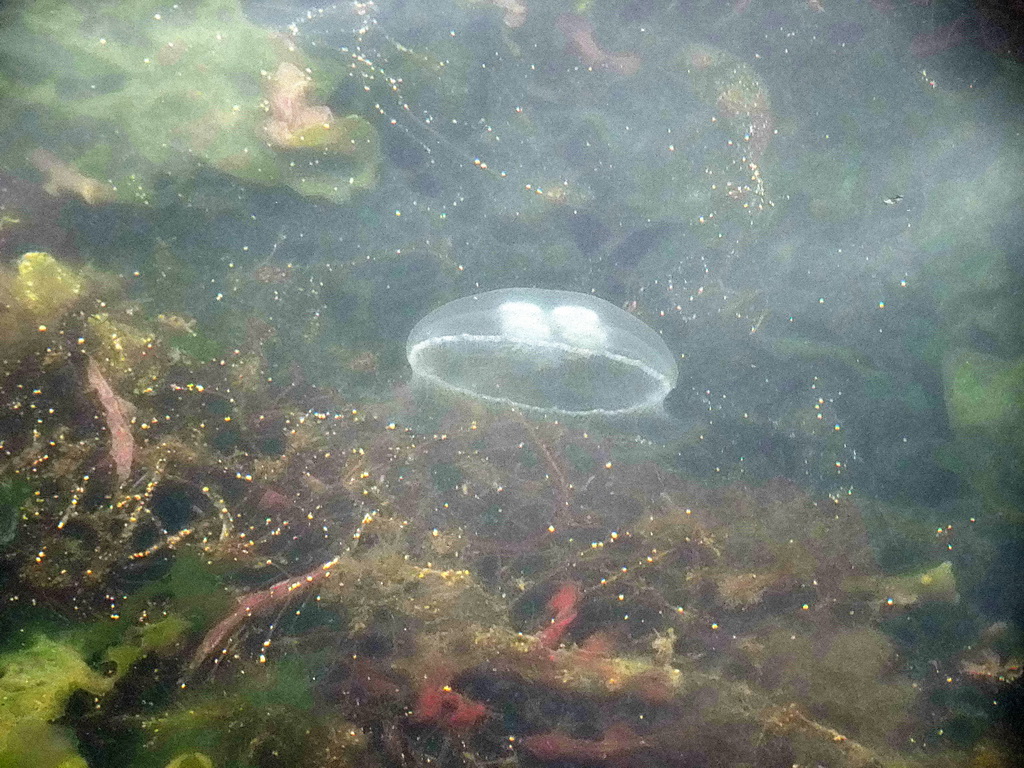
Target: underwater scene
511,384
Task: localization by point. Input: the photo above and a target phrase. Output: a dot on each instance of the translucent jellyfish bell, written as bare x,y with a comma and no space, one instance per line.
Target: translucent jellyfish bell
554,353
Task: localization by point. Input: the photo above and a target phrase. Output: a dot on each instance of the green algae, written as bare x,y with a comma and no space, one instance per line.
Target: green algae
133,94
36,295
985,403
268,712
190,597
45,287
14,492
984,391
41,297
191,760
38,680
36,744
161,637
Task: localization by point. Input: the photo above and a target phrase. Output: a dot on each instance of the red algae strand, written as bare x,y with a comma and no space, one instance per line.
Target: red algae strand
563,605
617,742
260,603
580,37
441,706
115,410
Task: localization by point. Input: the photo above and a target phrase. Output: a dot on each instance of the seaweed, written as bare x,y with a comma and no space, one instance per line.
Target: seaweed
150,92
298,579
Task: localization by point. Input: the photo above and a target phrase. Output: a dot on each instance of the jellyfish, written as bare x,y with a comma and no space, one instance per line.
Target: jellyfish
553,354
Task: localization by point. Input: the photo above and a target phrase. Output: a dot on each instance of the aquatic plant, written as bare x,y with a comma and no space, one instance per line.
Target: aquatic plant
985,402
36,682
40,745
191,760
151,92
742,103
580,37
36,295
449,590
14,493
273,570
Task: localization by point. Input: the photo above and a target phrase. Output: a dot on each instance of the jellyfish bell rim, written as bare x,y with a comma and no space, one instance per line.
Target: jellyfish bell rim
652,404
566,326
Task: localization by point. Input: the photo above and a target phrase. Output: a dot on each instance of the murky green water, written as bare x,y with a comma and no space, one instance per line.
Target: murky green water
230,534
